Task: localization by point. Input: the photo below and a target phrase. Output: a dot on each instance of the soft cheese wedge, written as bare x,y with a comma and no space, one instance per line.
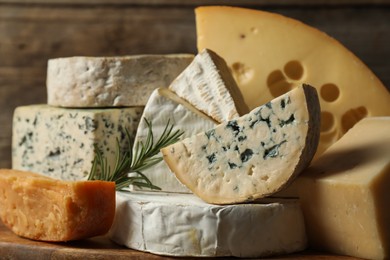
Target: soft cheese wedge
269,54
165,106
41,208
183,225
252,156
345,193
209,86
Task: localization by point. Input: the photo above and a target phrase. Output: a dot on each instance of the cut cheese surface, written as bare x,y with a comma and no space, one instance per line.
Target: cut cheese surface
59,142
252,156
345,193
269,54
165,106
110,81
209,86
183,225
41,208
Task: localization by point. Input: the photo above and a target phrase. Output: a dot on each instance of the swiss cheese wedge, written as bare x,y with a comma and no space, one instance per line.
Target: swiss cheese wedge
269,54
42,208
251,156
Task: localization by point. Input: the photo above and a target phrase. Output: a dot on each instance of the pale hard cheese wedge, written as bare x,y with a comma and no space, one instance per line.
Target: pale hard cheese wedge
110,81
183,225
164,106
41,208
209,86
269,54
345,193
252,156
59,142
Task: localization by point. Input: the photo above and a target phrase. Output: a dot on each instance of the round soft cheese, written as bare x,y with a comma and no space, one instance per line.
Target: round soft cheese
184,225
110,81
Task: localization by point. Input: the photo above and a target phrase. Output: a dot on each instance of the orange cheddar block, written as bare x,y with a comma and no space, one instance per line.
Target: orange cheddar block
42,208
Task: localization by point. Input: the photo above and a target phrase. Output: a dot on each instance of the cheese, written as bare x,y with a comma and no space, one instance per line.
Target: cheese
59,142
269,54
345,193
41,208
110,81
163,107
183,225
252,156
209,86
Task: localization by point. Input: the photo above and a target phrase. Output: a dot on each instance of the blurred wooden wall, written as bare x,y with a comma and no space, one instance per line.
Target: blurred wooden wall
33,31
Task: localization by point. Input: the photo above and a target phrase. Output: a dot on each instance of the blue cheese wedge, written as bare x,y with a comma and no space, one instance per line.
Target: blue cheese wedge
210,87
59,142
252,156
110,81
183,225
165,106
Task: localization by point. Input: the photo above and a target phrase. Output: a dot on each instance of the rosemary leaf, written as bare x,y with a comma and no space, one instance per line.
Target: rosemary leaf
130,162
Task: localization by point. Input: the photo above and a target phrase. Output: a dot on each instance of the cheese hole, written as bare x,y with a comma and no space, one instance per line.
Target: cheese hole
241,73
254,30
352,116
294,70
327,121
265,178
250,171
277,83
329,92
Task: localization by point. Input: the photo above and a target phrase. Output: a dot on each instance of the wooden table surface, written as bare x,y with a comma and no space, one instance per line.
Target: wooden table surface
14,247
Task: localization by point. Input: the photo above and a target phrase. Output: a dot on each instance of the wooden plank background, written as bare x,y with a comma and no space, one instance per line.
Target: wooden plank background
33,31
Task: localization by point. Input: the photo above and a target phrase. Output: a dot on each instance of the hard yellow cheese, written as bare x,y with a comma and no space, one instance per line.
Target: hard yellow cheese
42,208
345,193
269,54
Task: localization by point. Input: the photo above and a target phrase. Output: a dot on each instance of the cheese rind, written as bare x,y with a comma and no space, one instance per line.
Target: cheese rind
59,142
41,208
269,54
164,106
345,193
252,156
183,225
209,86
110,81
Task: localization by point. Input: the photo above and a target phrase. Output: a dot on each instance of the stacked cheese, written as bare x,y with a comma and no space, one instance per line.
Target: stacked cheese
202,96
228,154
91,101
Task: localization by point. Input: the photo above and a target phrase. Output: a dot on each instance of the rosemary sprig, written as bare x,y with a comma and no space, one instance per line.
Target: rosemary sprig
129,164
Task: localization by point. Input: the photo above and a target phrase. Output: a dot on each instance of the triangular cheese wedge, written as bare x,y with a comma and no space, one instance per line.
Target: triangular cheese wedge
269,54
163,106
209,86
252,156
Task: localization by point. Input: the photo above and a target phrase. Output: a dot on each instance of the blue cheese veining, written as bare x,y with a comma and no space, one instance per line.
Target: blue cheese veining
252,156
59,142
